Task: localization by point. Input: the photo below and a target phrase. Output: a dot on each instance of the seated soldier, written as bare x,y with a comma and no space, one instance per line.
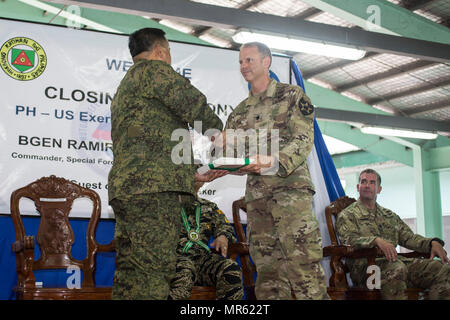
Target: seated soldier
366,224
196,264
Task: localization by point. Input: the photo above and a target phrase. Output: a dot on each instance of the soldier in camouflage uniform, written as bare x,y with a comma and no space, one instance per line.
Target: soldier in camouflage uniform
144,184
366,224
196,265
284,236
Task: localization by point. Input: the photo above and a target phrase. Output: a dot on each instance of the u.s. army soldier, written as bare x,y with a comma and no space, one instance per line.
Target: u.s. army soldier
284,236
366,224
151,102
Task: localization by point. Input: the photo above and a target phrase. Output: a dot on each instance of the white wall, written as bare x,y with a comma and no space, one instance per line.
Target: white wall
445,192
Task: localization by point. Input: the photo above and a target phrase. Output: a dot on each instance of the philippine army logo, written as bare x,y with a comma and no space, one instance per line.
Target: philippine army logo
22,58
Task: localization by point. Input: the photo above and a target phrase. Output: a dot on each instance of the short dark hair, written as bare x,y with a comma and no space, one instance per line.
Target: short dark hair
145,40
372,172
262,48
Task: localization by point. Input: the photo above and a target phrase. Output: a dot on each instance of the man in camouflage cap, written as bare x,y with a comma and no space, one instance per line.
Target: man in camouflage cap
196,264
284,236
144,184
366,224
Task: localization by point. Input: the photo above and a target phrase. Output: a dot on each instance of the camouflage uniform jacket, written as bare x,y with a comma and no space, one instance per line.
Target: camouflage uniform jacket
286,108
152,101
213,222
358,226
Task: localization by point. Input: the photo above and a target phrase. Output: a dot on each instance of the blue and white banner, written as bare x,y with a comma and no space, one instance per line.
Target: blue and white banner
324,177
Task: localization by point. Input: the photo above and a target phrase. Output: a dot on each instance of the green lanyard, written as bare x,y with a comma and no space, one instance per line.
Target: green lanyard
194,236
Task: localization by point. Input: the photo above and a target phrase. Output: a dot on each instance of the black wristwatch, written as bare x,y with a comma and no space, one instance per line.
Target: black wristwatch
437,240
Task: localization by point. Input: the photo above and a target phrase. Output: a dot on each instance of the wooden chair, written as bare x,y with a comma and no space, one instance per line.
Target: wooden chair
339,288
235,250
203,293
53,198
248,269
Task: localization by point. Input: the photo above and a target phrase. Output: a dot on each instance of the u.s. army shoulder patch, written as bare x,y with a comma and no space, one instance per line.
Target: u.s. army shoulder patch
305,107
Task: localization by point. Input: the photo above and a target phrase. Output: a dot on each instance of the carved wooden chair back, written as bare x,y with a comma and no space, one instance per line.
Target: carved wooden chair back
338,284
53,198
331,213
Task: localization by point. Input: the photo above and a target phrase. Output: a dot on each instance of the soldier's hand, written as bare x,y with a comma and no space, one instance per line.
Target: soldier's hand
210,175
258,163
221,244
388,249
438,251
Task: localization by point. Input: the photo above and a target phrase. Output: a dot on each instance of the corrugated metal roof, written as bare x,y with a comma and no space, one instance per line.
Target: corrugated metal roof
364,79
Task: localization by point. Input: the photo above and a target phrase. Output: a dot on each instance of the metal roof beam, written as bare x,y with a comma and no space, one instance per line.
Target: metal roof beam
336,65
210,15
98,20
385,17
438,159
428,107
410,92
309,13
394,72
202,30
415,4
